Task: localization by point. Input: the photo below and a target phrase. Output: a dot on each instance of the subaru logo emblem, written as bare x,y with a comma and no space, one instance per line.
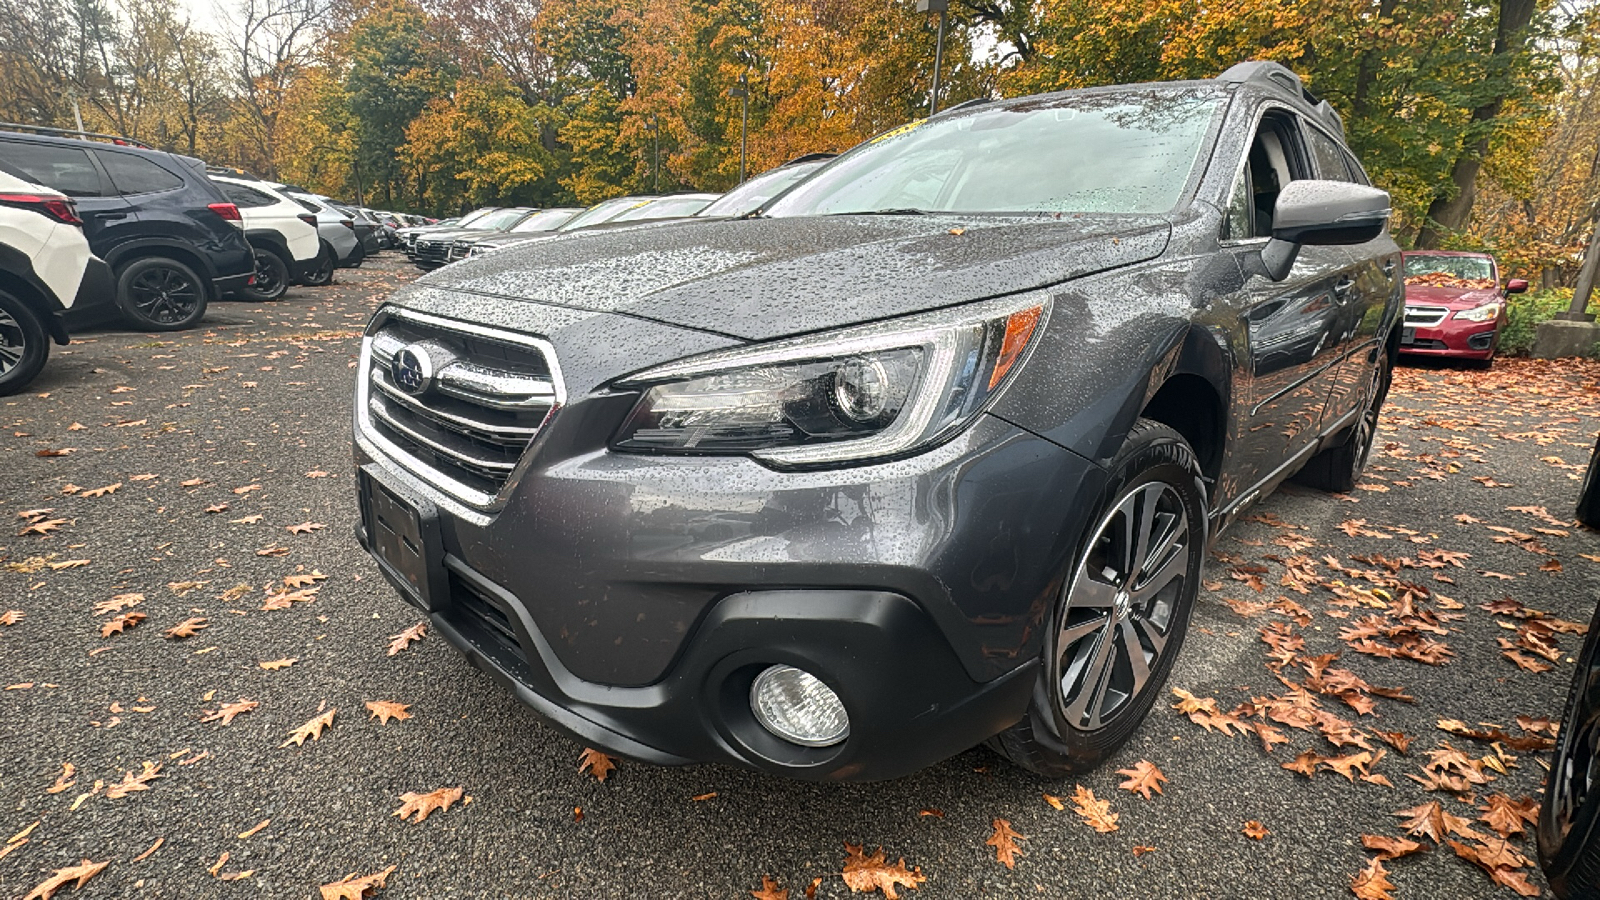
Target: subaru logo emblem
412,369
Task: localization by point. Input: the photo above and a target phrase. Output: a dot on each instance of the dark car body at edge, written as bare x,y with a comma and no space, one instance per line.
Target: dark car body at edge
630,598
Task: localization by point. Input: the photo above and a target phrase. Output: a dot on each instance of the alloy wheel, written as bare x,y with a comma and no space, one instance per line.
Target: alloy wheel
164,295
1573,773
267,281
13,343
1121,604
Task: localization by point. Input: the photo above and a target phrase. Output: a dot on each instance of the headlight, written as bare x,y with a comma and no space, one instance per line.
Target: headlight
860,393
1485,313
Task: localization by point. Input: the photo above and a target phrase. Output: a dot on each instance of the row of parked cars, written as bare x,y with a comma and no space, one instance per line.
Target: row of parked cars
97,227
493,228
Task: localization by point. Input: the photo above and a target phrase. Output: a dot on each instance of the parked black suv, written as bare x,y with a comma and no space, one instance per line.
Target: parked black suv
927,454
168,234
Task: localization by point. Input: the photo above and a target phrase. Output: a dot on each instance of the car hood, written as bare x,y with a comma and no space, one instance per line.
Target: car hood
1450,297
758,279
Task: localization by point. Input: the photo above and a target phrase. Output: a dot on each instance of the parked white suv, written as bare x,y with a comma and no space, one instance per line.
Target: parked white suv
45,269
282,232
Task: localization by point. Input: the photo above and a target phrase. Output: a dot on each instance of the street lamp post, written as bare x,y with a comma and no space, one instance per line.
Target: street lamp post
942,7
655,130
743,93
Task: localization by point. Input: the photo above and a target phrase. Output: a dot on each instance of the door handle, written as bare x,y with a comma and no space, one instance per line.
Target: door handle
108,216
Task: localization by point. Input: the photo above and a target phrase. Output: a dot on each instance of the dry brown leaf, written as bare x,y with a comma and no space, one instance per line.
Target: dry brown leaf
305,527
276,664
405,638
64,780
150,851
247,520
385,710
1004,841
252,832
420,805
1390,847
101,491
77,876
770,890
1372,883
1143,778
1142,849
1096,813
1507,816
1054,801
226,713
311,729
132,784
596,763
121,623
865,873
187,628
120,601
44,526
11,617
352,887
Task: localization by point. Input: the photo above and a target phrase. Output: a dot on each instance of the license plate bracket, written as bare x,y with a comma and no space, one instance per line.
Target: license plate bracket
403,536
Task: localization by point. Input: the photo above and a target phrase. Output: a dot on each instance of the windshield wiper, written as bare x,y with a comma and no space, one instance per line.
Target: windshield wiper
901,211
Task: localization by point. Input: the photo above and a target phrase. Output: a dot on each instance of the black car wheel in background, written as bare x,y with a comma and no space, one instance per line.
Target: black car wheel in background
322,272
272,278
158,294
1568,850
24,345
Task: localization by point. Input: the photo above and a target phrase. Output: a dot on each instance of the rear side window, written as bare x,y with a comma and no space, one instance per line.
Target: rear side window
307,205
67,169
246,198
137,175
1330,157
1357,174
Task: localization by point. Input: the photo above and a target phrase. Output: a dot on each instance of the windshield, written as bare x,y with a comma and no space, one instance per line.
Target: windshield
665,208
1099,152
548,220
752,194
604,211
499,220
1450,268
473,216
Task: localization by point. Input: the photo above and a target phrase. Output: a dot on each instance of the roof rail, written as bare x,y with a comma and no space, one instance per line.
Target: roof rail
73,133
1276,75
965,104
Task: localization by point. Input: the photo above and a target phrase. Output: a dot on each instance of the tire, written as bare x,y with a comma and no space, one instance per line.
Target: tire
24,344
1589,494
323,273
1338,468
1089,698
1566,831
272,278
160,294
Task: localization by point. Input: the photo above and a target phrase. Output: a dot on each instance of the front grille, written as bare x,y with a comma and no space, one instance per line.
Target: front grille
491,393
433,252
1425,316
459,250
1425,344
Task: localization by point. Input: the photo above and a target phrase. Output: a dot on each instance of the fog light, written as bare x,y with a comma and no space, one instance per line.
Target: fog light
797,707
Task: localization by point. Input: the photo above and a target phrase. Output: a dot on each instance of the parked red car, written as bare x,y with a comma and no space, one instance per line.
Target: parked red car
1454,304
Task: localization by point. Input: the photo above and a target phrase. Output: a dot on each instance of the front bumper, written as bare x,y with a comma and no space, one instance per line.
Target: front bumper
634,612
95,303
1455,338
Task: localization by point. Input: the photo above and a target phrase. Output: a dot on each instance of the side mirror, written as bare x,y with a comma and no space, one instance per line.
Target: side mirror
1321,213
1516,286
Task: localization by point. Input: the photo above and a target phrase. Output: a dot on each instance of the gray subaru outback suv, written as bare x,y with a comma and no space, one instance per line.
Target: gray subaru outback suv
925,453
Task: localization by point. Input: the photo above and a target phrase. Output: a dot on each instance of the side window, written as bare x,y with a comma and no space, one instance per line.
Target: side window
1330,157
137,175
67,169
1275,159
245,198
1357,174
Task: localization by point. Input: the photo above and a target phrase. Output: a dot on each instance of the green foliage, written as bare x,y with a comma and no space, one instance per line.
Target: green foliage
1524,312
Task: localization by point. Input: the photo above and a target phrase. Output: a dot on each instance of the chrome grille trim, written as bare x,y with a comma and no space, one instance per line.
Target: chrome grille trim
1425,316
468,437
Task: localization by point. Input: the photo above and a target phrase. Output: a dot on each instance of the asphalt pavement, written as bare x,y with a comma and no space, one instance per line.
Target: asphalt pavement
229,449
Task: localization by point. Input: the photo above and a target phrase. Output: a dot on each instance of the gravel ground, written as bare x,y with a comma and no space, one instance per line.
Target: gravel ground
224,437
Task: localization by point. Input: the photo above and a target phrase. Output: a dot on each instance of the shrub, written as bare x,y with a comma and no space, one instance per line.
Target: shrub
1525,311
